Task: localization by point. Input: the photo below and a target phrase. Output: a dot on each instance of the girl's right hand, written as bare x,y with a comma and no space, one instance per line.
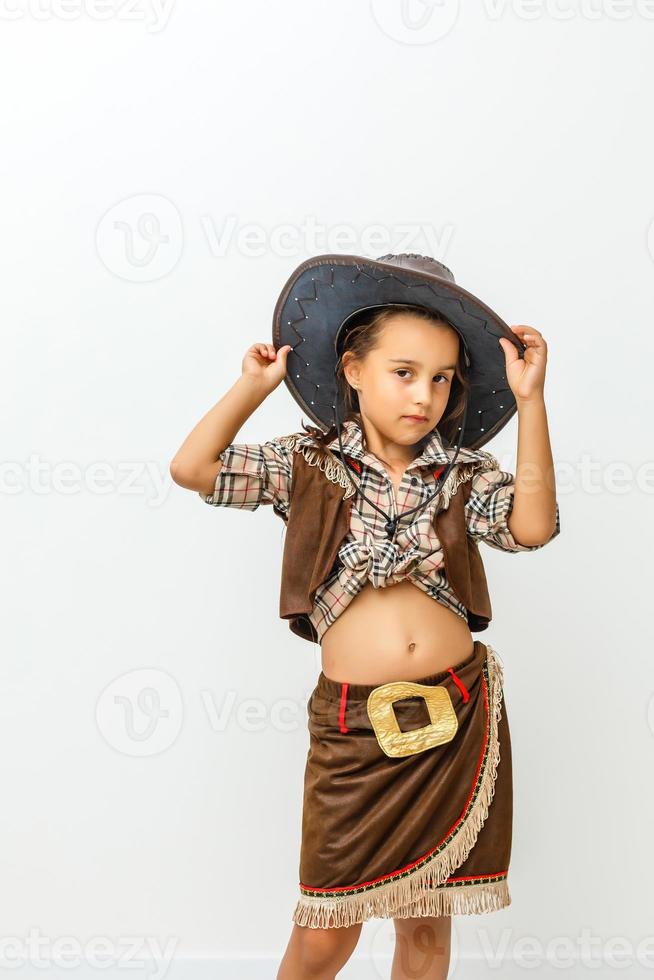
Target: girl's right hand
265,364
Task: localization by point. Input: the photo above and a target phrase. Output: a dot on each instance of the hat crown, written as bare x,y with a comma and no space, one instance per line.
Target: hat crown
420,263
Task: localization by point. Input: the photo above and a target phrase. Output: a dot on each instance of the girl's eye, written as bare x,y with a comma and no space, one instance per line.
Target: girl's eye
406,371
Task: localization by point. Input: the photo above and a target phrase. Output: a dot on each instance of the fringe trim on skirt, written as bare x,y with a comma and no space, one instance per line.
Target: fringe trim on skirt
459,900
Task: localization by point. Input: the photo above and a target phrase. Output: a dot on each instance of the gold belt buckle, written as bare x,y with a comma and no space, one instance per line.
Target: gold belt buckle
392,740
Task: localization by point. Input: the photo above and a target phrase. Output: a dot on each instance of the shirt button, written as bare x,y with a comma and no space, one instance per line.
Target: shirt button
414,480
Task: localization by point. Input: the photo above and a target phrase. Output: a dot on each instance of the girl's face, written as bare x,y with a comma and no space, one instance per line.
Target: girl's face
409,373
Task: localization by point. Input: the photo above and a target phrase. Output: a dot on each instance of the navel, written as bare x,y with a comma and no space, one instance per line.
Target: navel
412,647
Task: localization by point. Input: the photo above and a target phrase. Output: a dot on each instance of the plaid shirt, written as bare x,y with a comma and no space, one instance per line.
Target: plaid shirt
260,473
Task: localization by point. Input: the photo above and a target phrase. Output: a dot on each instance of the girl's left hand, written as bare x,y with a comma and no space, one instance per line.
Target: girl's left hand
526,375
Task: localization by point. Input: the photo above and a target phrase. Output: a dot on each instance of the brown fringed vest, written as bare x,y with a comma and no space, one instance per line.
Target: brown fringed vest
318,521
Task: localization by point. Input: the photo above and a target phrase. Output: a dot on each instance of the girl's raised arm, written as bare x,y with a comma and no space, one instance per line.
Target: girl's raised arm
195,465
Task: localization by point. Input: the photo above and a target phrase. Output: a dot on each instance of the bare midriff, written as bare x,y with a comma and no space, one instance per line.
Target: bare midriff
394,633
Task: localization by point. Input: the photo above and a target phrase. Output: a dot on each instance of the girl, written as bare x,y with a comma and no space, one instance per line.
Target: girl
407,807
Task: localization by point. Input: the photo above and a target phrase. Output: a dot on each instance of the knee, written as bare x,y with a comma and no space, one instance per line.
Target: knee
324,951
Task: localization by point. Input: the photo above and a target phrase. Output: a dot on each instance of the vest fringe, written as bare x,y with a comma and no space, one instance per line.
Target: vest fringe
332,467
425,891
462,473
335,470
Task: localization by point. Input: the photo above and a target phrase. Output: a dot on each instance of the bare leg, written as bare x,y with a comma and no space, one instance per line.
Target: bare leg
422,948
318,954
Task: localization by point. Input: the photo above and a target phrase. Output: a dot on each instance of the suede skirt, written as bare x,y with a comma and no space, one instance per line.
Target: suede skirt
408,797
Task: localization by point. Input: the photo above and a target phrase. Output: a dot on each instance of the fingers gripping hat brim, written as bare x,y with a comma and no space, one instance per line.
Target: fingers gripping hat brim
326,290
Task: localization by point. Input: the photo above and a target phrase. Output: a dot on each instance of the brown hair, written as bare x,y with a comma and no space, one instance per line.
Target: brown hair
360,340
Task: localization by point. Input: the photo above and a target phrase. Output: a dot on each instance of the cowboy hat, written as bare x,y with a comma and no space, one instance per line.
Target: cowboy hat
326,294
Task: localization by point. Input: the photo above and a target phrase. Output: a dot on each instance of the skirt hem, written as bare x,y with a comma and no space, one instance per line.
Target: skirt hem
440,902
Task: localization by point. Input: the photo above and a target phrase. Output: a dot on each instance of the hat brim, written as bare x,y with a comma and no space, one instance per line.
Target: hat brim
326,289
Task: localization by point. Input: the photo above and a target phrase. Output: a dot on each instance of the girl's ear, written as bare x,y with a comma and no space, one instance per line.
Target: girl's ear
350,370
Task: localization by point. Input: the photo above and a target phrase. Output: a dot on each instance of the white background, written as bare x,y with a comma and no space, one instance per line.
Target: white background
511,141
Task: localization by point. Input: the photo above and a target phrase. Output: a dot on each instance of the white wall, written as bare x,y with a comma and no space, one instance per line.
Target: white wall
511,140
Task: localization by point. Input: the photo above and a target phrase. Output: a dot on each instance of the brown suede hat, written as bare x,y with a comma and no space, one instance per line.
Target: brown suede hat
324,297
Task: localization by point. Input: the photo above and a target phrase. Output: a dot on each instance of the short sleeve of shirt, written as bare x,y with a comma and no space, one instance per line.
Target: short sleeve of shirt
489,507
253,474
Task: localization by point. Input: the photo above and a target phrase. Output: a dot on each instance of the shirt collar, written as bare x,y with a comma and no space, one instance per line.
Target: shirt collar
433,451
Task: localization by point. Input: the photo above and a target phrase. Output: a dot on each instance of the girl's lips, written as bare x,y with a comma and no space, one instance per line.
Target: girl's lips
416,418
